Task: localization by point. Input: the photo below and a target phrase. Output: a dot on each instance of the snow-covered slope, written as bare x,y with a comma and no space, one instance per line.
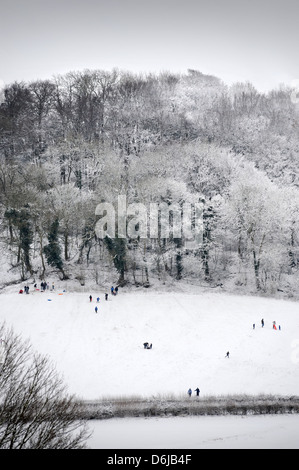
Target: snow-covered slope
102,354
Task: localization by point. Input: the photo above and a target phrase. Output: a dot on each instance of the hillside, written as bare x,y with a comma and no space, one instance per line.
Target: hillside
215,160
102,354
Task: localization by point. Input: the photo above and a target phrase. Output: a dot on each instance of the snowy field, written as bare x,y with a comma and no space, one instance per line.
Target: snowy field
102,355
205,432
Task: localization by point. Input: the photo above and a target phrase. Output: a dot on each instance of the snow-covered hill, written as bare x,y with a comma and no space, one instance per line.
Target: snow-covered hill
103,355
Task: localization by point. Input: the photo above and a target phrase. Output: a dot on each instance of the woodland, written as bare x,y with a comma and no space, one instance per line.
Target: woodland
86,137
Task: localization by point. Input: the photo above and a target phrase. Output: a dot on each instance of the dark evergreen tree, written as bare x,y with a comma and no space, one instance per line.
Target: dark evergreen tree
53,250
20,219
117,249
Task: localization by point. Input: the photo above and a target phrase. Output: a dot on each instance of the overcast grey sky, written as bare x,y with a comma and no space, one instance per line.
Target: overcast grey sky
236,40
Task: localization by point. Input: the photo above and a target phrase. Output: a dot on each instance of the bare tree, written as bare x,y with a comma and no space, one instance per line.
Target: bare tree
35,410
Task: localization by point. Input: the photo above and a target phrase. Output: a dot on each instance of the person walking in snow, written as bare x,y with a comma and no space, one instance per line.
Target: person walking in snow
262,322
227,354
189,392
98,299
145,345
106,296
197,391
90,298
96,309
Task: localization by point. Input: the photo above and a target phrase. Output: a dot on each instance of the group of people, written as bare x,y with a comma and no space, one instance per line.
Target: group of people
26,290
196,390
147,346
43,287
114,291
263,324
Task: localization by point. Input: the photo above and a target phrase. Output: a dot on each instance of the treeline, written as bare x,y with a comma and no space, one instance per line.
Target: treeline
182,406
69,143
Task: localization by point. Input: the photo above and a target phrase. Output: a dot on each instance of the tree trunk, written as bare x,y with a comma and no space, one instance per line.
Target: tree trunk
256,265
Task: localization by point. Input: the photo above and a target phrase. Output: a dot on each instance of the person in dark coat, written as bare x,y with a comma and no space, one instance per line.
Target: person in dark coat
197,391
90,298
145,345
106,296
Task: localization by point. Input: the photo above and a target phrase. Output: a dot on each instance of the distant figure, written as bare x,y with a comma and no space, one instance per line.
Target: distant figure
112,290
149,346
189,392
116,290
96,309
279,327
262,322
227,354
145,345
90,298
21,291
197,391
106,296
98,299
254,326
274,325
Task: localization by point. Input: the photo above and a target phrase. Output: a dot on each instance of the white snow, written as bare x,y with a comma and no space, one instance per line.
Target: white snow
205,432
102,354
